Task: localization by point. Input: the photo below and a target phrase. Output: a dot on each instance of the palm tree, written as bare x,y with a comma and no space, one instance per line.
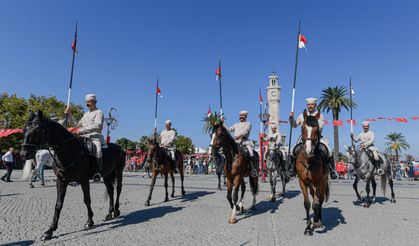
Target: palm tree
396,142
334,99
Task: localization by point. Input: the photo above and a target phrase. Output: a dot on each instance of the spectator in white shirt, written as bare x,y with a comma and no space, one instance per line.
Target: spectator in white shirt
8,161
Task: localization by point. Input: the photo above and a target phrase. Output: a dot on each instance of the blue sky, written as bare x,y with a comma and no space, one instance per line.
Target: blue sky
125,45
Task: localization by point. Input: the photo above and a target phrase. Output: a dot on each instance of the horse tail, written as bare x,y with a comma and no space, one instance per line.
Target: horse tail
327,190
254,185
27,169
384,183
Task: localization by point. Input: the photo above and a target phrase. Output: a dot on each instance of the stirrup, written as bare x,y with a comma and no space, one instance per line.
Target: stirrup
96,177
254,173
334,174
380,171
74,184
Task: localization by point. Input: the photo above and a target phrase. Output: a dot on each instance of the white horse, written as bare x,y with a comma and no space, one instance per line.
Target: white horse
42,158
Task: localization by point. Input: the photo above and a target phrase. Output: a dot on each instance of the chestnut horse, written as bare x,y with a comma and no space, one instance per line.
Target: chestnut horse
160,162
312,170
236,167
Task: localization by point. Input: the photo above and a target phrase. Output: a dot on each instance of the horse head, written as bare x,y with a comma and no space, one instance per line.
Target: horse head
152,148
310,133
35,135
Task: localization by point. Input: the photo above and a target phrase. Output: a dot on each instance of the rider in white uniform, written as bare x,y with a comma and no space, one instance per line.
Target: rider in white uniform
367,139
274,139
241,135
311,110
168,137
91,125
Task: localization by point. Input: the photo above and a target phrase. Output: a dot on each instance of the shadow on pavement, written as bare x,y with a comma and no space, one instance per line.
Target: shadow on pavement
143,215
20,243
12,194
332,217
292,194
192,196
262,207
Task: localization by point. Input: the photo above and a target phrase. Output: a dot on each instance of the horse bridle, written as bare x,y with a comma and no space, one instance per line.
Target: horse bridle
48,146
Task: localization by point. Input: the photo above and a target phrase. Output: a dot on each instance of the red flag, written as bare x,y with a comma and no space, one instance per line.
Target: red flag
260,98
302,41
337,123
74,43
209,111
218,71
158,91
401,120
353,122
415,118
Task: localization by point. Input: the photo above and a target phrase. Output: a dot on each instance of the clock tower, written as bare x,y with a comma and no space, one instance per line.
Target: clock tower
274,95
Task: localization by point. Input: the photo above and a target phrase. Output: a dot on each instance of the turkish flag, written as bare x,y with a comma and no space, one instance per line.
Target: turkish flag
401,120
337,123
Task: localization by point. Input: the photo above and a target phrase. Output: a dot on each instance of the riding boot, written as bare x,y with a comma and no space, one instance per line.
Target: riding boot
332,170
290,166
377,166
96,177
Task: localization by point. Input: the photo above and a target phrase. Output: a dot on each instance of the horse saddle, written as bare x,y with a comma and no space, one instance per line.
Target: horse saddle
244,151
371,158
324,151
89,147
274,153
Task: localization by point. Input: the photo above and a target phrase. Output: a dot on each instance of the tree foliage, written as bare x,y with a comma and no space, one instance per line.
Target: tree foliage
14,112
126,144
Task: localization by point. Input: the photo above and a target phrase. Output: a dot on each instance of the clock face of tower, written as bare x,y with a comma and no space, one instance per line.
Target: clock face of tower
273,93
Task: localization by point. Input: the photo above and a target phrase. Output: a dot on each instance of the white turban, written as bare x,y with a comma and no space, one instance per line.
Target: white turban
366,123
311,100
273,126
90,97
168,122
244,112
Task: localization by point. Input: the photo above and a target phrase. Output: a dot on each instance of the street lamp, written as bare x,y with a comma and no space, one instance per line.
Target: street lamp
111,122
264,118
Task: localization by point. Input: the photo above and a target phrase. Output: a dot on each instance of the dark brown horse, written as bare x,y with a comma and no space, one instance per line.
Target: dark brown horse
312,170
236,167
160,162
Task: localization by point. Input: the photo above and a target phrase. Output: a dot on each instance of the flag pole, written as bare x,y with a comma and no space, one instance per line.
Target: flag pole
74,47
260,110
155,109
350,98
221,95
293,92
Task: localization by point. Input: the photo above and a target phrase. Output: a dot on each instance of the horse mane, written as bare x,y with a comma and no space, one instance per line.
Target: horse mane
312,121
230,140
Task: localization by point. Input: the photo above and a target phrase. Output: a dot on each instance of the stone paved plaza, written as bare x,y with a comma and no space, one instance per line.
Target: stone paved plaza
200,217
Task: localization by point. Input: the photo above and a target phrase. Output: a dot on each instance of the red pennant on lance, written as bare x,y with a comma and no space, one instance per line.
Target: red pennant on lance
401,119
337,123
218,71
260,98
415,118
158,92
74,43
209,112
326,122
353,122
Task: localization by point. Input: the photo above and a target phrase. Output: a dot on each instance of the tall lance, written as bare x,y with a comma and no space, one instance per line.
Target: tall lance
218,73
158,92
350,98
74,48
293,93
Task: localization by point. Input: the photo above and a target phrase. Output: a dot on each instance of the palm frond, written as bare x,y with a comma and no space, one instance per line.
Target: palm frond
210,121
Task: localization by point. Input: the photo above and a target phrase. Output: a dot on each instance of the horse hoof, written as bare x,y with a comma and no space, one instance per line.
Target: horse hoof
172,195
219,187
88,225
108,217
31,186
147,203
308,232
393,200
317,224
367,205
46,237
166,200
183,192
42,184
241,210
232,221
116,213
273,199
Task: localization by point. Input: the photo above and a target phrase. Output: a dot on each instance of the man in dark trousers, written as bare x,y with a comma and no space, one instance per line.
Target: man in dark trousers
8,160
